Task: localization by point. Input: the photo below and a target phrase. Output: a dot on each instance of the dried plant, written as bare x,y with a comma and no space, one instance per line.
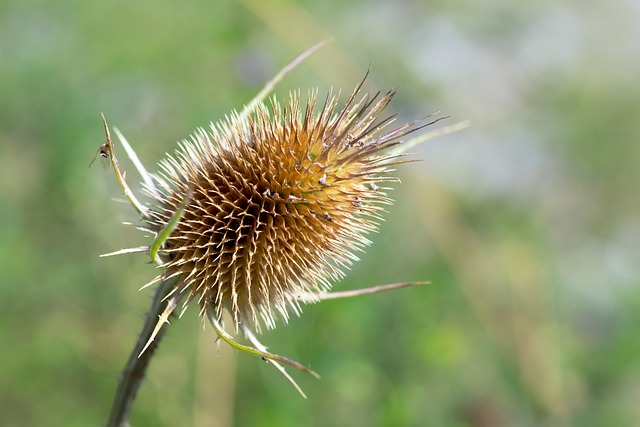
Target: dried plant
260,214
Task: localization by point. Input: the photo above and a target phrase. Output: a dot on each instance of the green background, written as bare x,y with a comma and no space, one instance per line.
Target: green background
526,222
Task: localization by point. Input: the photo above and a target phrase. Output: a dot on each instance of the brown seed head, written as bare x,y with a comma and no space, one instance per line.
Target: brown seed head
277,203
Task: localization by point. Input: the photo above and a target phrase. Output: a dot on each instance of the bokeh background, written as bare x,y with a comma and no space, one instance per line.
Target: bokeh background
527,222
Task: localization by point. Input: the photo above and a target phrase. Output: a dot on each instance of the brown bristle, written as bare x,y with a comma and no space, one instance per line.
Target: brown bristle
277,204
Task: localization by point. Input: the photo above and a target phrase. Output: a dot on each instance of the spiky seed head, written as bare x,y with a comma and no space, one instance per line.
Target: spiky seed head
277,203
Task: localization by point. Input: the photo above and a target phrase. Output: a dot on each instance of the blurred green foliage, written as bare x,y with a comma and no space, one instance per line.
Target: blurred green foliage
526,223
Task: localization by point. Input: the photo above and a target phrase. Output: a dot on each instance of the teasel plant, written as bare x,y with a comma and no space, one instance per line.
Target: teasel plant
260,215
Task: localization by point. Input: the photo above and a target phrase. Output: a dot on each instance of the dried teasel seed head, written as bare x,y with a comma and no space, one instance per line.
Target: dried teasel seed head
274,204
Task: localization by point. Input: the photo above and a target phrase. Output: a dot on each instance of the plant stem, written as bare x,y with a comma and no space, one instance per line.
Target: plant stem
136,367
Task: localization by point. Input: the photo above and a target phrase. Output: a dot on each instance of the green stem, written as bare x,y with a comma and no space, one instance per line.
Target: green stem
136,367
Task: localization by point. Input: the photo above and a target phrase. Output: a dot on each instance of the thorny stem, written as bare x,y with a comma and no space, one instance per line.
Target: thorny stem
136,367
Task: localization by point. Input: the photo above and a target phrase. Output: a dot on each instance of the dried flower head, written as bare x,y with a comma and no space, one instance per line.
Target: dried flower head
277,204
262,212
